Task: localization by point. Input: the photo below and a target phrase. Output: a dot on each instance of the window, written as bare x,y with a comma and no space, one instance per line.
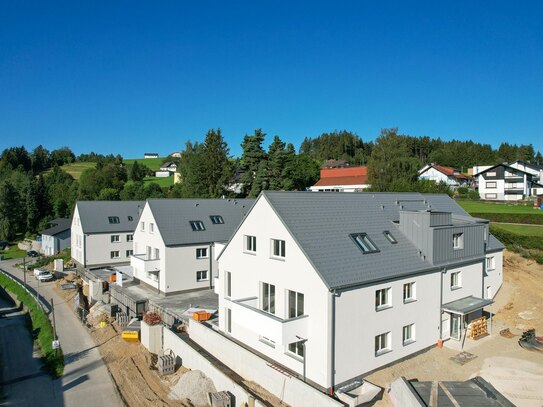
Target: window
458,241
456,281
382,298
130,218
151,227
197,225
115,254
364,243
201,253
129,253
228,283
491,196
390,238
129,238
491,174
143,226
491,185
157,254
490,263
408,335
250,243
409,292
201,275
228,321
216,219
295,304
114,219
115,238
382,343
278,248
268,298
297,348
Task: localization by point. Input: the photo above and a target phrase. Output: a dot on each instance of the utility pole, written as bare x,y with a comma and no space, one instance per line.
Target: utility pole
54,324
24,270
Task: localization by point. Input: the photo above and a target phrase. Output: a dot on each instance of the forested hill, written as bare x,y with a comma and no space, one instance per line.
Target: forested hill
35,189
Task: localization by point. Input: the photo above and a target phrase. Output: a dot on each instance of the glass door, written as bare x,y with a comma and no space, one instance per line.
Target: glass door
455,326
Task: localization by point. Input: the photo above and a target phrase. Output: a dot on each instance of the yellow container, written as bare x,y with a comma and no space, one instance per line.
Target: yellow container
131,336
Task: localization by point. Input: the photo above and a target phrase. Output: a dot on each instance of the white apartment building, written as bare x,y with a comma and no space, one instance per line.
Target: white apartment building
102,232
176,240
333,286
502,182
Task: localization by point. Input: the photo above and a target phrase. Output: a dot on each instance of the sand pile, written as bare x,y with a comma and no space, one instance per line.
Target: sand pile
193,385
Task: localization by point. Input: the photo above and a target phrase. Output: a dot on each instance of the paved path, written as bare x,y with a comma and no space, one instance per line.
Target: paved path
86,381
23,379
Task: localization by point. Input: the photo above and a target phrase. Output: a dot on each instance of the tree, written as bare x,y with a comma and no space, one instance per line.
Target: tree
261,181
62,156
190,169
40,159
252,155
216,169
16,158
277,158
138,172
9,213
301,172
109,194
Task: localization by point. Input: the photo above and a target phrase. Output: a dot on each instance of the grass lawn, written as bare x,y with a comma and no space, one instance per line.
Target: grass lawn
13,252
162,181
152,163
524,230
76,169
495,207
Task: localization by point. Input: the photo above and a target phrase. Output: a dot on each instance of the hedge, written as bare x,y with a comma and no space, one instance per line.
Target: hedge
528,246
54,361
526,218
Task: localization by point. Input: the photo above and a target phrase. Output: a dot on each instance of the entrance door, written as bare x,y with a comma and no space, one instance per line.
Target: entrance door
455,326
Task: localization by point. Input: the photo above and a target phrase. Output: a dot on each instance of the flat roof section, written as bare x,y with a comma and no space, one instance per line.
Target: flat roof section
466,305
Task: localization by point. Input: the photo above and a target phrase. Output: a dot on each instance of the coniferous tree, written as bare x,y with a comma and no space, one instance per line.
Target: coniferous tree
261,181
9,212
252,154
277,158
216,169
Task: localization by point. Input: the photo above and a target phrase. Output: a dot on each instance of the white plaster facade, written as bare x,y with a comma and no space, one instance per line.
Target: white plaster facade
432,174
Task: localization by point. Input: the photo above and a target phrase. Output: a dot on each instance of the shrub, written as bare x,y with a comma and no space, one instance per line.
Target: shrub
526,218
462,191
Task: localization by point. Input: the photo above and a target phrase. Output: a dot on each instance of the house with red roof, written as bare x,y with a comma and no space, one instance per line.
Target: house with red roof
346,179
451,176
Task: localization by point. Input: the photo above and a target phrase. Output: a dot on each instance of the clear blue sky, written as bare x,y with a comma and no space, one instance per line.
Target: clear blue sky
130,76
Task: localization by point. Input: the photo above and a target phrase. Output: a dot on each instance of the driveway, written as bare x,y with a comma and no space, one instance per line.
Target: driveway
86,380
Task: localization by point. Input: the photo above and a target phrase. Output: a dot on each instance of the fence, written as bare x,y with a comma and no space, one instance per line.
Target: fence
15,280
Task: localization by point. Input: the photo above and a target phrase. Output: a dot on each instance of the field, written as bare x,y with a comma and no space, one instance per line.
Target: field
76,169
162,181
13,252
152,163
495,207
523,230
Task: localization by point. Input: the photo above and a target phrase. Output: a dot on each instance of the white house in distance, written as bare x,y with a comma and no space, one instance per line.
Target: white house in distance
439,173
176,240
57,237
103,232
338,285
343,179
535,170
502,182
150,155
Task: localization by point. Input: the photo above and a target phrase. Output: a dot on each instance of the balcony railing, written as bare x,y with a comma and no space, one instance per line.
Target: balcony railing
245,312
141,262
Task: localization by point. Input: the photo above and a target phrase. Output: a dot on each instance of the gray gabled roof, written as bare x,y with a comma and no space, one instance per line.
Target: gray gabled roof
94,215
322,223
57,226
173,216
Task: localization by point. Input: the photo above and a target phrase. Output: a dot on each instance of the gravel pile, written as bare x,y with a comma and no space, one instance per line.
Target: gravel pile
193,385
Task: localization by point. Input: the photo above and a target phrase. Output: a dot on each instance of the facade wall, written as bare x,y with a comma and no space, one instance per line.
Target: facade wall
473,243
358,323
488,193
77,239
340,188
98,248
51,245
471,282
437,176
493,279
294,272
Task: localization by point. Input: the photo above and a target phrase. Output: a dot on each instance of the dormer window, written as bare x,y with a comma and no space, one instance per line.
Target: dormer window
197,225
114,219
389,237
458,241
130,218
216,219
364,243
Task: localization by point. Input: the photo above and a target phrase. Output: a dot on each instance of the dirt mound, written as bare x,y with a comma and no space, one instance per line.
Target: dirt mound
193,385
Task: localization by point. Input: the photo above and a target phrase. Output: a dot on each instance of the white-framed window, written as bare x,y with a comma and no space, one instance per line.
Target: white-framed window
202,276
382,343
491,185
142,226
491,174
458,241
268,297
152,276
157,254
250,244
382,298
201,253
409,293
456,280
297,348
115,238
491,196
151,228
228,320
408,334
114,254
278,248
490,263
197,225
129,253
228,283
295,304
129,238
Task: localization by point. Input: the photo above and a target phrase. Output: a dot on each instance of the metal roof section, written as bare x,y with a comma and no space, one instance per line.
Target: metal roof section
505,165
466,305
94,215
173,218
57,226
322,225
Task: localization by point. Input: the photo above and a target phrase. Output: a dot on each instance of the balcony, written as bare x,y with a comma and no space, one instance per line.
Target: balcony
245,312
141,263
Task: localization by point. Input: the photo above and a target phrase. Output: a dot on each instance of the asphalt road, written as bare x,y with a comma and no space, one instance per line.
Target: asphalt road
86,381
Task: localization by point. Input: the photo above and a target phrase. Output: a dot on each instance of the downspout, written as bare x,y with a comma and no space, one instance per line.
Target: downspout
332,339
441,304
211,277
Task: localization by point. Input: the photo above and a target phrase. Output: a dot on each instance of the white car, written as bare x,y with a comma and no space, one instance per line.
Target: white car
44,275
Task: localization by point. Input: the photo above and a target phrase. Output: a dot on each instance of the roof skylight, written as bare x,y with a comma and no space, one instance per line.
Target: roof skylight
389,236
197,225
114,219
364,243
216,219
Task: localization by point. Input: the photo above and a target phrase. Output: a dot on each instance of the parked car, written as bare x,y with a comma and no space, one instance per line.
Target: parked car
32,253
37,272
3,244
45,276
